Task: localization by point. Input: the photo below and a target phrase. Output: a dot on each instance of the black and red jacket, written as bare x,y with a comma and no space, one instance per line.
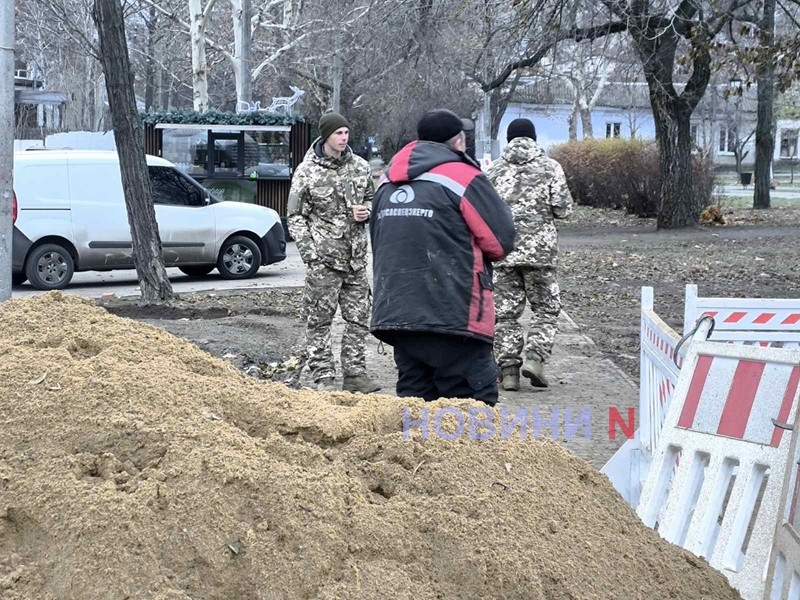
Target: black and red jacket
436,224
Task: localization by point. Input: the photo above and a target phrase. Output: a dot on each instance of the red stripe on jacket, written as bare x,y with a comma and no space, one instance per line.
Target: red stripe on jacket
482,233
398,170
480,321
460,172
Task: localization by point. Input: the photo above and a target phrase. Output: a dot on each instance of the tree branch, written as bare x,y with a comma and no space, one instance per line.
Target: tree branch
309,77
187,28
788,14
701,69
578,34
207,9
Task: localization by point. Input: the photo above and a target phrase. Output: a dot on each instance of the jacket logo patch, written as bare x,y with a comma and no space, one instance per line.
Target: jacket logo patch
403,195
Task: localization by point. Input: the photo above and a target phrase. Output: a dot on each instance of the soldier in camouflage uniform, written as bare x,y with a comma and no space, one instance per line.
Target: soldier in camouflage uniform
329,204
535,188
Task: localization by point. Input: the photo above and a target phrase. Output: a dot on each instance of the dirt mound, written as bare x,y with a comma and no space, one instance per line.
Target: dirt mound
134,465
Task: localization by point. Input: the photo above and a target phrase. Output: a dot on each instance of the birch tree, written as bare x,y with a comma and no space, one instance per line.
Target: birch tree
585,71
198,17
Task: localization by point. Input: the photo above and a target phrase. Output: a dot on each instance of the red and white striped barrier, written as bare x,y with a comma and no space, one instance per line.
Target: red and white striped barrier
776,322
727,421
739,321
658,374
783,575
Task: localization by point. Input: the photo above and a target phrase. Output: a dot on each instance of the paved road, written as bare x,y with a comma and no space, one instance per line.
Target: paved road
291,272
93,284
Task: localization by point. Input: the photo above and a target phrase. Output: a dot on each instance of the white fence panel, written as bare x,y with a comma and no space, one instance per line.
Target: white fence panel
721,501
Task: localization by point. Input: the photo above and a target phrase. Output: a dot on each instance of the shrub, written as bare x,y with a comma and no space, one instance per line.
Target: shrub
618,173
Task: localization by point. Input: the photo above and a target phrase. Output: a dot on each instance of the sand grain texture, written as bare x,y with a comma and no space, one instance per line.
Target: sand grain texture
142,467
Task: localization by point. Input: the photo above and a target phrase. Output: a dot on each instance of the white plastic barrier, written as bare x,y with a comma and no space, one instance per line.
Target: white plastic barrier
721,501
658,375
783,576
764,321
742,321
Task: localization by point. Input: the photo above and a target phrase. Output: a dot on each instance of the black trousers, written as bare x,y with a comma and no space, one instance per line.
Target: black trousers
432,366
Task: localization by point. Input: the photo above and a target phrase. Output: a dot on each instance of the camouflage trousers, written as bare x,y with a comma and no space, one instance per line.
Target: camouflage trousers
325,290
512,285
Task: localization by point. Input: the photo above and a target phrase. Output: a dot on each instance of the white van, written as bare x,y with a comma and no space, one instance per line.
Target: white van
70,215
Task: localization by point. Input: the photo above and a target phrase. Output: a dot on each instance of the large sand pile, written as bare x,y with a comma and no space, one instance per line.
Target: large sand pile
141,467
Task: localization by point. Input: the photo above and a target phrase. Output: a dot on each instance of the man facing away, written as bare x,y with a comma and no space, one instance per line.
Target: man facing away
535,188
329,205
437,224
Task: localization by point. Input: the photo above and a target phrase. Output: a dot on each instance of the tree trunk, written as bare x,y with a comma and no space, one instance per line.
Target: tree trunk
678,205
91,102
158,85
572,122
147,257
150,65
586,124
737,155
500,99
197,34
166,90
765,134
336,75
242,55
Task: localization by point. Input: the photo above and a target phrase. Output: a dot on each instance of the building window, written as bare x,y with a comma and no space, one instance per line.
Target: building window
612,130
789,143
228,153
727,139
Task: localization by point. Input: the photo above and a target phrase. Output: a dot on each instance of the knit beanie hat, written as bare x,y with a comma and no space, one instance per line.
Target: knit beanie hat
330,122
441,125
521,128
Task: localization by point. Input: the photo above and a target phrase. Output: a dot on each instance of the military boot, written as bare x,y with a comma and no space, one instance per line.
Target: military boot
360,383
326,384
533,369
511,378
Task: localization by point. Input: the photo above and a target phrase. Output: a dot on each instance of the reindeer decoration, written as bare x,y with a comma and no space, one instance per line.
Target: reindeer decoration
286,103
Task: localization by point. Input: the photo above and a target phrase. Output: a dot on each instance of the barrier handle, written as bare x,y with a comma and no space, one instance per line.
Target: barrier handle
690,334
782,425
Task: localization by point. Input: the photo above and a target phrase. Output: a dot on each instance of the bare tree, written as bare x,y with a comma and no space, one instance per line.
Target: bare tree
198,16
585,68
659,35
58,40
147,257
765,126
664,38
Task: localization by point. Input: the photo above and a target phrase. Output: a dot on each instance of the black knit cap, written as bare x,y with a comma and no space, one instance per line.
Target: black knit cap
330,122
441,125
521,128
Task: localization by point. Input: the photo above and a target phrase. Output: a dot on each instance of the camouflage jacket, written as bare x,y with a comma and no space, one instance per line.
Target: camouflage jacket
320,216
535,188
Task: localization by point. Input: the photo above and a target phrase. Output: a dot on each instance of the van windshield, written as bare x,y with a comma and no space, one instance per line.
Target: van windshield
170,186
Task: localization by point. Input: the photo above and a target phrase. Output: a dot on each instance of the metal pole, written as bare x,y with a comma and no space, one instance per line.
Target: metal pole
6,143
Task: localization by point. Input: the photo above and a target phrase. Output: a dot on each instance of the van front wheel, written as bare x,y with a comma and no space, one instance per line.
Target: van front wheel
49,267
239,258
